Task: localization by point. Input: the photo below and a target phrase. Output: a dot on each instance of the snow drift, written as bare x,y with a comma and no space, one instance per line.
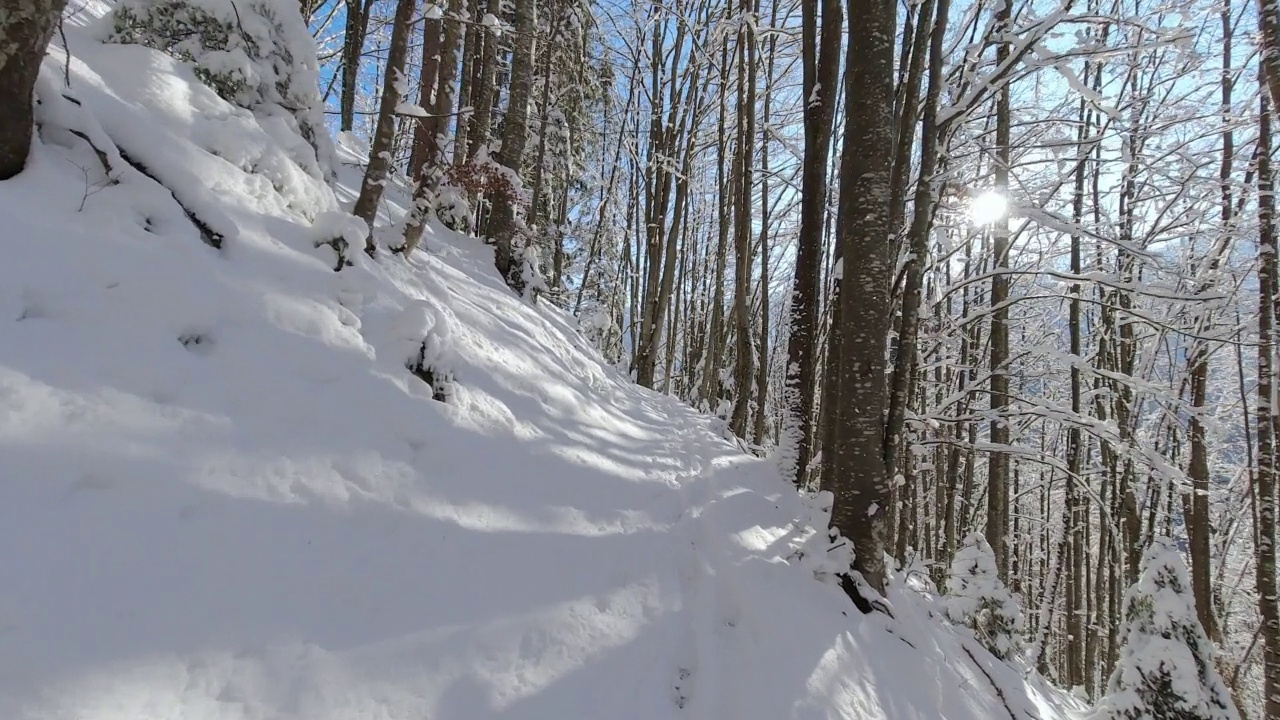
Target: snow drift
225,493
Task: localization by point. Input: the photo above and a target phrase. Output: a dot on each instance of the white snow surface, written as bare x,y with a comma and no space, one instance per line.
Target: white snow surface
223,495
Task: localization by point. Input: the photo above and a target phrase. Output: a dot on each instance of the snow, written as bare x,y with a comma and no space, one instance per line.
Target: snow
1165,666
978,600
407,108
226,495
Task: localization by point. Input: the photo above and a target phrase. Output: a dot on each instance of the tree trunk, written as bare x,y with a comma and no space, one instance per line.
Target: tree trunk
357,24
484,83
503,223
860,485
428,81
918,235
1265,478
375,174
998,459
26,26
433,161
821,69
743,351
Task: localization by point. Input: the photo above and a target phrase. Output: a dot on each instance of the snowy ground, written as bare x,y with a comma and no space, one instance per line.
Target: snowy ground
222,495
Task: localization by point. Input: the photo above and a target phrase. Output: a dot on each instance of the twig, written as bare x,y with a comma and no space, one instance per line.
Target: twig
102,155
66,48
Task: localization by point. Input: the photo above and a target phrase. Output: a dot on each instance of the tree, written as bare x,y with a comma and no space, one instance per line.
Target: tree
859,479
503,223
821,47
429,145
355,27
26,26
393,89
978,600
1264,481
1165,670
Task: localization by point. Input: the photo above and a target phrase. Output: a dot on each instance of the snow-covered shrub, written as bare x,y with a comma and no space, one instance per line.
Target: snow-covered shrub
526,279
341,232
427,334
978,600
482,175
256,54
452,209
602,332
1165,670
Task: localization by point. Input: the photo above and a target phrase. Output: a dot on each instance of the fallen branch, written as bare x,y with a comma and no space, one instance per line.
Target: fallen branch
992,681
211,237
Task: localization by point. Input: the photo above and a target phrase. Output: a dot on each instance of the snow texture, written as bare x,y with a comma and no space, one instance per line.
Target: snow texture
226,494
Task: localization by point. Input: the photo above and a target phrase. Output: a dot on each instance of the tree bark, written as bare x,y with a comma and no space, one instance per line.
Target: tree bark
998,459
26,26
821,70
743,247
860,482
356,26
428,80
433,161
503,223
1265,478
375,174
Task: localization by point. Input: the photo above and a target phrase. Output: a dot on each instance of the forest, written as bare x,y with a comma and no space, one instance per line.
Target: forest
1057,327
996,278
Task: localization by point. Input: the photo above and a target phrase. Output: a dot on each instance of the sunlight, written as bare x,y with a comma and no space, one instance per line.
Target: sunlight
988,207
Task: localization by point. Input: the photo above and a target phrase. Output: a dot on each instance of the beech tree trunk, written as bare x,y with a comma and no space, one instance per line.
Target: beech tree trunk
355,27
375,174
26,27
433,162
998,459
1265,478
821,68
859,480
503,224
743,247
484,83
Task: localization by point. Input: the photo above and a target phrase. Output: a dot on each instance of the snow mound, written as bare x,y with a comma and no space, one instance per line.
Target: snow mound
228,491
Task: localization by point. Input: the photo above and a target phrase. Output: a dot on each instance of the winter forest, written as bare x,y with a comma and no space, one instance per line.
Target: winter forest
999,276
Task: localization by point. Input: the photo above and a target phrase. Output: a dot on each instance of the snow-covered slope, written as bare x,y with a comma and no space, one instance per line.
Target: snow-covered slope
223,495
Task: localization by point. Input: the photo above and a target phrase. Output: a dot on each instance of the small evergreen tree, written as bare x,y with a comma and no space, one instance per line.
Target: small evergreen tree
1165,671
978,600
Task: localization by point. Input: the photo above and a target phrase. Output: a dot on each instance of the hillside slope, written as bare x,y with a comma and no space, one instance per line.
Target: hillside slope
224,495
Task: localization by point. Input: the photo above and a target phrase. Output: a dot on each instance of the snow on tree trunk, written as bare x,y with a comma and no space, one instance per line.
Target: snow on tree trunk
25,29
1165,670
978,600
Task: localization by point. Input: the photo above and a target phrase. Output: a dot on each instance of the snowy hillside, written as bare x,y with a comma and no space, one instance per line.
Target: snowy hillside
224,495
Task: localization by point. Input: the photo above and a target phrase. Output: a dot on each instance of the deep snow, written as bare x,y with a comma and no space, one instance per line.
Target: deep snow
223,495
